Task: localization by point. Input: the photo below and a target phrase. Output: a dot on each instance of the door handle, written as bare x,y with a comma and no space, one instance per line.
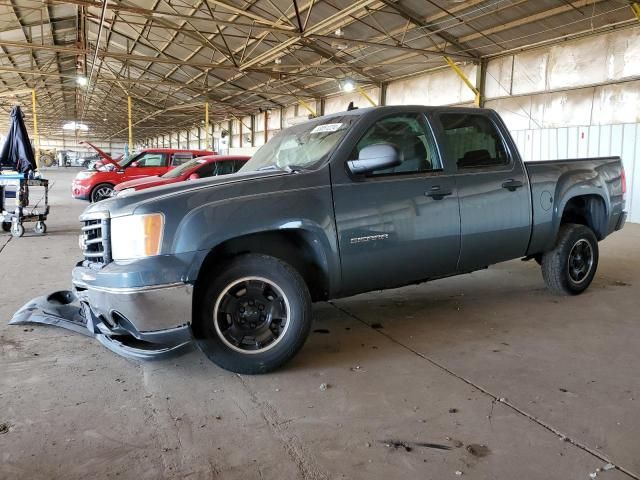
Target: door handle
512,185
437,193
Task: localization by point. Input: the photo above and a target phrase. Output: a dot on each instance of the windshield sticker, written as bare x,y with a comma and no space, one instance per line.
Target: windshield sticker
327,127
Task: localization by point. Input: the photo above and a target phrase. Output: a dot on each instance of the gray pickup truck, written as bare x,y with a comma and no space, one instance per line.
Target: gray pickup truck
347,203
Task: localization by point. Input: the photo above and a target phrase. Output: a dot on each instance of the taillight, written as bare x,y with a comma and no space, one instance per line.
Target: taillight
623,179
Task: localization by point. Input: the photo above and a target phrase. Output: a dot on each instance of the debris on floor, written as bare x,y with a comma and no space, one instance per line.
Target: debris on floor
409,446
324,387
458,473
453,410
478,451
4,428
376,326
608,466
321,330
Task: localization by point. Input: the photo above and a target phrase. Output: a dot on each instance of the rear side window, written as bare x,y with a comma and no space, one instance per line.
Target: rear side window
178,159
212,169
472,141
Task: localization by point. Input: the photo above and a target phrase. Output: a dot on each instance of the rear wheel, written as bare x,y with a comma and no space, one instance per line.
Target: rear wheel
569,268
101,191
254,315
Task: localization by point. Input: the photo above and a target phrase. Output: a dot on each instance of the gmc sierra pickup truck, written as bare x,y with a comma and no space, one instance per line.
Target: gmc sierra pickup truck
347,203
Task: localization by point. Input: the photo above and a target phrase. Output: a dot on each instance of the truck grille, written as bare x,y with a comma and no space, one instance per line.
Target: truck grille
94,242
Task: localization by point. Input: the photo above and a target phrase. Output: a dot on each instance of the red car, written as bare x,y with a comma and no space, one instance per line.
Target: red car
201,167
98,184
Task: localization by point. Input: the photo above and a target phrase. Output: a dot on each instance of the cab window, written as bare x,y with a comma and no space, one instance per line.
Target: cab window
472,141
151,160
409,134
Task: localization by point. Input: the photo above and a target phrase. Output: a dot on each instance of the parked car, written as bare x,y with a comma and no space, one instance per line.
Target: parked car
200,167
347,203
98,184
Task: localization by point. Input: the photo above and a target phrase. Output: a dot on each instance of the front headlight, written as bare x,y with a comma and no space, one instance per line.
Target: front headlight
84,175
125,192
136,236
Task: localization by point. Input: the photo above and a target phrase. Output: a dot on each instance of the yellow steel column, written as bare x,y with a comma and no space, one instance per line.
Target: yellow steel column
35,127
464,78
307,107
207,144
364,94
635,6
130,125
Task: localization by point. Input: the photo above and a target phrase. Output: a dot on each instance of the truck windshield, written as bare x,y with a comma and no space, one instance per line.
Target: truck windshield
304,146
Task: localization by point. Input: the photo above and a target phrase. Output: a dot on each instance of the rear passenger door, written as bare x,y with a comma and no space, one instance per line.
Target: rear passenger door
400,224
493,189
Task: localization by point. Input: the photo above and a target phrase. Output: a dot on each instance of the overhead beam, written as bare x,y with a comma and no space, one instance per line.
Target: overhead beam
414,18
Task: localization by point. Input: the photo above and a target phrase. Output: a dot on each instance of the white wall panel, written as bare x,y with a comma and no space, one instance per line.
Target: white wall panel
443,87
589,141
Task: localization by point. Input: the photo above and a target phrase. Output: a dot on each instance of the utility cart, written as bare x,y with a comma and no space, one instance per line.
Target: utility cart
16,211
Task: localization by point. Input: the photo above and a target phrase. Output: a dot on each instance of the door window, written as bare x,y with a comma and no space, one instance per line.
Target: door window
151,160
178,159
472,141
409,135
216,168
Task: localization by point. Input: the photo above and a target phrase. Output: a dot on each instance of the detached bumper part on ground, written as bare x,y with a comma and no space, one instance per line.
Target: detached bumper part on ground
113,328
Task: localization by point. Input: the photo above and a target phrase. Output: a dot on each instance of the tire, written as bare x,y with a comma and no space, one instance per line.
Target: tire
569,268
17,230
40,227
100,192
259,330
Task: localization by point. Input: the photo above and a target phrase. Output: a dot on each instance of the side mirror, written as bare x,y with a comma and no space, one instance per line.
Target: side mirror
134,164
194,176
375,157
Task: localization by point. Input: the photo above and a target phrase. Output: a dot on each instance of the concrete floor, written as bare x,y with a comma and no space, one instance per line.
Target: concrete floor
513,382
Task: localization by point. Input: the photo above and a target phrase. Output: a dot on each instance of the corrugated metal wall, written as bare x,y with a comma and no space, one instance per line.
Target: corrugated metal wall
589,141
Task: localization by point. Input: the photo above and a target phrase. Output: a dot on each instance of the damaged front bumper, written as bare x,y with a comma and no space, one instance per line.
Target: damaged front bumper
132,322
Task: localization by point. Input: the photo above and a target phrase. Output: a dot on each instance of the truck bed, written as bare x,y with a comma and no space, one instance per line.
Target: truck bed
600,178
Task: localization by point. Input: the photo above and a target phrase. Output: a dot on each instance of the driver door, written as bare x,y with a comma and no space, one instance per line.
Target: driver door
149,164
401,224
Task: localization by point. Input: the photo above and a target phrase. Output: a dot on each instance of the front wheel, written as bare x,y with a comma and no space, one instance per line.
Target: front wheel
101,192
569,268
253,315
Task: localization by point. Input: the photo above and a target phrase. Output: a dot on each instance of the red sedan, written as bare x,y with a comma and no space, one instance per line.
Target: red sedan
202,167
96,185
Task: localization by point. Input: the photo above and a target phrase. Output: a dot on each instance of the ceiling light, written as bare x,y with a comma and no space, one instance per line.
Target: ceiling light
82,81
348,85
75,126
339,32
278,61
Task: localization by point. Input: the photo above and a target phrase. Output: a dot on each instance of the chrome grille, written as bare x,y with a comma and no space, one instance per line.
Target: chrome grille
94,241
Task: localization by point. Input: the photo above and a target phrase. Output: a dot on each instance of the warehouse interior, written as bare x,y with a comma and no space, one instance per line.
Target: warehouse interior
484,376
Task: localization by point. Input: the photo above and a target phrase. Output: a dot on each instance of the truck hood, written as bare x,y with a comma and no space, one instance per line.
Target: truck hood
120,206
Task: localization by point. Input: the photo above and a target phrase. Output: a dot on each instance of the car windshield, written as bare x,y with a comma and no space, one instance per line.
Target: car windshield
304,146
176,172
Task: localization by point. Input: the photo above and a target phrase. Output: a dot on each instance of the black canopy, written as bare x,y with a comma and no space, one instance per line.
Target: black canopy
16,152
